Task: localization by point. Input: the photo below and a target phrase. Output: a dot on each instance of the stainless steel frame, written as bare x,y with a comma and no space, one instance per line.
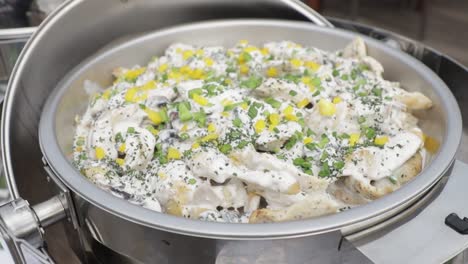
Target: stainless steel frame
96,228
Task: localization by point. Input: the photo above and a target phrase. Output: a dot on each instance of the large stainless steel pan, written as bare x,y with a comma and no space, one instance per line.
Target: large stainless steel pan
142,235
69,99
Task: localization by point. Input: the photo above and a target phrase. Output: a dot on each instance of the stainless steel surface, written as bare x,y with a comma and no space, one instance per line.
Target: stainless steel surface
426,237
51,211
17,33
69,99
21,227
21,221
25,104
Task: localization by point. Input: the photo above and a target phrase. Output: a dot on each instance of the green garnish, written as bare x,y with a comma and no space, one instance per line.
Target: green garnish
325,171
184,136
192,181
237,122
393,180
361,119
225,148
377,91
200,118
335,73
198,91
370,133
338,165
274,103
252,82
130,130
292,93
184,112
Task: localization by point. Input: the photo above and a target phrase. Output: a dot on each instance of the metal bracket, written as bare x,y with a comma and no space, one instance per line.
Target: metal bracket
71,212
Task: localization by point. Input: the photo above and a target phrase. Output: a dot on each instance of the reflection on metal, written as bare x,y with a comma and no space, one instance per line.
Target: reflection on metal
22,227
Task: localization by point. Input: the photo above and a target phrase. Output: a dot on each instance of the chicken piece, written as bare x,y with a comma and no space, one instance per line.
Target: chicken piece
373,65
374,189
280,90
313,205
355,49
212,165
414,100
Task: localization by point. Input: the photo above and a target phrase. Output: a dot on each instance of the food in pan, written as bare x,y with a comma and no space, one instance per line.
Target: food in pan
252,134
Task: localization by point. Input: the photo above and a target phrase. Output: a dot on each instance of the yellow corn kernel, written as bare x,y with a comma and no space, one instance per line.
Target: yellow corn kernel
163,67
289,110
208,62
148,86
380,141
353,139
154,116
337,100
303,103
197,74
296,62
431,144
244,106
173,75
326,108
228,81
79,149
122,148
243,42
308,140
133,74
274,119
200,100
131,95
100,153
162,175
250,48
225,102
195,145
291,117
209,137
272,72
106,94
225,114
312,65
211,128
259,126
265,51
185,69
244,69
173,154
184,128
187,54
199,52
120,161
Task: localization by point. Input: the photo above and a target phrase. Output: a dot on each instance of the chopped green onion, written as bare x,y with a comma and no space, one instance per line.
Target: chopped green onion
184,112
192,181
225,148
198,91
130,130
292,93
274,103
237,122
252,82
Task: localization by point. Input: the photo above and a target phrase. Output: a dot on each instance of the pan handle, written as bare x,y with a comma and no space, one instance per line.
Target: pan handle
425,237
308,12
22,227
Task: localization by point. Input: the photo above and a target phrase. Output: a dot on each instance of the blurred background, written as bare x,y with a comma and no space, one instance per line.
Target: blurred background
441,24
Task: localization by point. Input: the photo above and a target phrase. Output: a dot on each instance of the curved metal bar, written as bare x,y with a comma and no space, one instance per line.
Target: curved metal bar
17,33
